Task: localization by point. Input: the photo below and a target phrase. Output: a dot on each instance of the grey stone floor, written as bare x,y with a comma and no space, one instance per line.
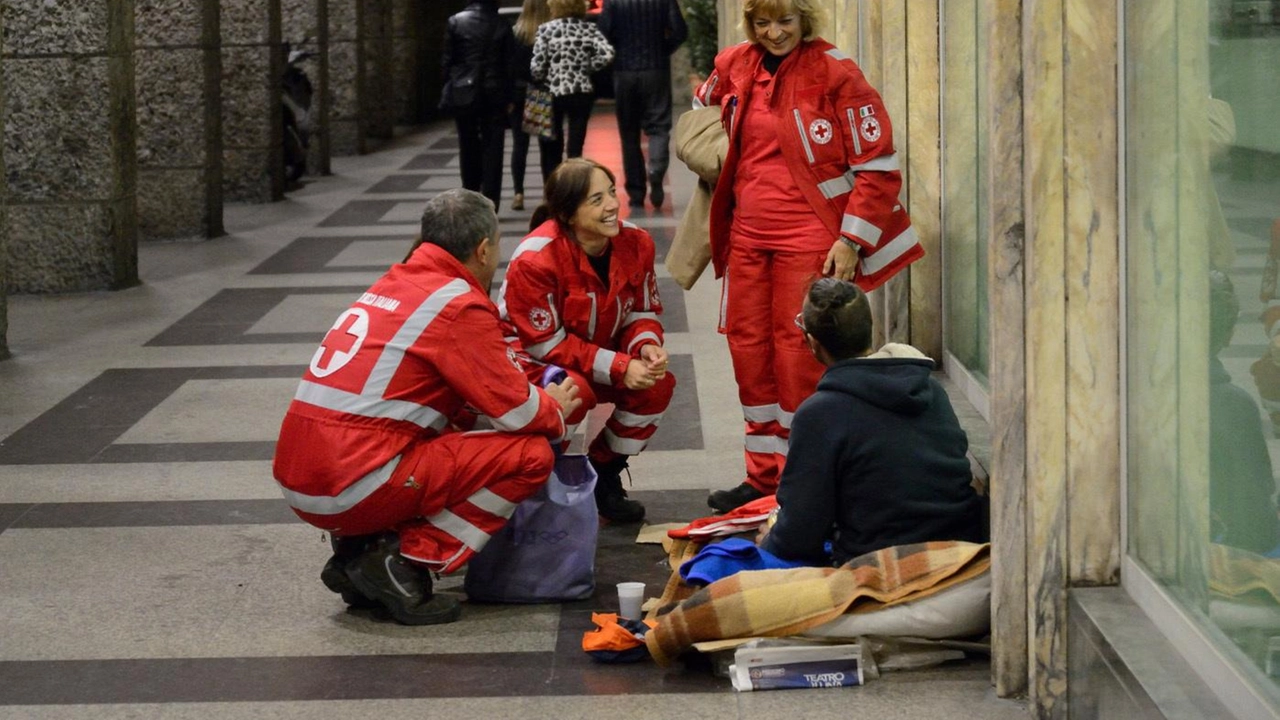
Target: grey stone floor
149,568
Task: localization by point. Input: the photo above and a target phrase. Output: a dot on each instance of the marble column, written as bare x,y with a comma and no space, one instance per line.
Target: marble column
252,67
345,120
377,84
178,66
70,150
919,144
1006,296
304,25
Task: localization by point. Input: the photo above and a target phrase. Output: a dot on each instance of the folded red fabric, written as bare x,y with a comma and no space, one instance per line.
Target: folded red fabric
744,518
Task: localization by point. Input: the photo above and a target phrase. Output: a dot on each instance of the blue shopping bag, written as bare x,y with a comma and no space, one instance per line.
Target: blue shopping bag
547,551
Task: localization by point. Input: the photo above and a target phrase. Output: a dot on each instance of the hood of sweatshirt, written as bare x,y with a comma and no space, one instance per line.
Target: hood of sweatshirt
895,378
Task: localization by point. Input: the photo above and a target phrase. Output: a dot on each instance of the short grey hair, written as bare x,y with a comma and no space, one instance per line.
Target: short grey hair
457,220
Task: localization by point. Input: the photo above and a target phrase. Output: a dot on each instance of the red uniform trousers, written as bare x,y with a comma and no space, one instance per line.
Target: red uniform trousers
775,370
448,495
635,417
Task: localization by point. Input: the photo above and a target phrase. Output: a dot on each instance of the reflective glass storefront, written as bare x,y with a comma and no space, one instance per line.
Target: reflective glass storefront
1202,316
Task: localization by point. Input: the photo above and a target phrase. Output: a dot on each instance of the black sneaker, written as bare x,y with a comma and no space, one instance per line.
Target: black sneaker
728,500
334,574
400,586
612,502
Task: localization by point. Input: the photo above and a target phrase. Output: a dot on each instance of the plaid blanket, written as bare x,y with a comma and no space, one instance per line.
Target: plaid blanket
785,602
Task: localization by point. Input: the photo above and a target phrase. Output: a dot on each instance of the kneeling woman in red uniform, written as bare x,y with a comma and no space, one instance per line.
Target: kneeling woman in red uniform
581,294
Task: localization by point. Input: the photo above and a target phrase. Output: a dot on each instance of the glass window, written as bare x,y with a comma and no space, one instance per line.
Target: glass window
964,220
1202,228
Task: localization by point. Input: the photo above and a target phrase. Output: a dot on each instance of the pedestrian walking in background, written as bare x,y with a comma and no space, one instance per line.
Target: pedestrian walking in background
644,33
532,15
478,48
566,51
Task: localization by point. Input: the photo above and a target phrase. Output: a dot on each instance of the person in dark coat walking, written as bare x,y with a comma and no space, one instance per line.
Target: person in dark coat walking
877,457
643,33
478,48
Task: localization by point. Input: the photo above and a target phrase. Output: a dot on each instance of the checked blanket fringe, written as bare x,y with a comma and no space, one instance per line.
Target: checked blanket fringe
1236,573
777,603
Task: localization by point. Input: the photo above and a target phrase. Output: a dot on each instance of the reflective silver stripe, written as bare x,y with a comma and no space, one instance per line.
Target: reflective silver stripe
884,163
345,500
470,535
533,243
724,299
393,354
853,131
835,53
518,418
854,225
760,413
492,503
591,319
600,366
617,316
368,406
541,349
766,444
893,250
636,421
784,418
625,446
646,335
636,316
808,151
836,186
629,224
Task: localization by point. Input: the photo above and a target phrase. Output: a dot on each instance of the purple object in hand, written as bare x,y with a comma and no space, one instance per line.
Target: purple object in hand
553,374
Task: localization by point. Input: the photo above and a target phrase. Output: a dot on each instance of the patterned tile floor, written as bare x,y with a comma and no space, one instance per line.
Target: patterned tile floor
149,568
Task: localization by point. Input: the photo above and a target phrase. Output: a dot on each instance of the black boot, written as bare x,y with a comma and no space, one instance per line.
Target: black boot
727,500
334,574
402,587
656,194
611,500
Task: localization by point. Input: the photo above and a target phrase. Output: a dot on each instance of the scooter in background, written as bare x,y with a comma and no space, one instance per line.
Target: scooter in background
296,97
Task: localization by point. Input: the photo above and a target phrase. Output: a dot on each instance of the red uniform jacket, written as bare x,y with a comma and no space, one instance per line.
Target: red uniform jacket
565,316
396,368
838,143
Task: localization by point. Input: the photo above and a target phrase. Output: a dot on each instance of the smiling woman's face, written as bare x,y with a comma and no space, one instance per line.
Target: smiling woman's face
778,35
596,219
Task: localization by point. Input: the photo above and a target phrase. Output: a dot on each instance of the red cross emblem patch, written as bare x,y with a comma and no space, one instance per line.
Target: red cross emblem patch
870,128
821,132
341,342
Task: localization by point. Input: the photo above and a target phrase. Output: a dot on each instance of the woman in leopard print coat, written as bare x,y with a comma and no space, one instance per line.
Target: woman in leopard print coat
566,51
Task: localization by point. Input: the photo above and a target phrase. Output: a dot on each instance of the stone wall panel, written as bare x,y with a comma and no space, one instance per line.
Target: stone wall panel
168,22
58,160
170,103
36,27
244,176
172,203
60,248
245,23
245,96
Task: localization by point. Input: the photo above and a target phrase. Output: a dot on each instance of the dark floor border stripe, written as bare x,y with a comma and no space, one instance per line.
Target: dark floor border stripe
161,513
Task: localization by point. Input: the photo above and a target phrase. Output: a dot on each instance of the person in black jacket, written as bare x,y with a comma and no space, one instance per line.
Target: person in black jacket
877,456
643,33
478,46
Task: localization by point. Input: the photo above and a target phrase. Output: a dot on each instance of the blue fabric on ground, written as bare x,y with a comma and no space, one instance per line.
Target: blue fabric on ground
729,557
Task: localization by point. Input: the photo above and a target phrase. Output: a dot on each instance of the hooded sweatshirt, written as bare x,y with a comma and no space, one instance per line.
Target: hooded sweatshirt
877,459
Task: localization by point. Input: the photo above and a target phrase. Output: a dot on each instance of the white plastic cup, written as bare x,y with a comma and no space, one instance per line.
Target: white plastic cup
630,598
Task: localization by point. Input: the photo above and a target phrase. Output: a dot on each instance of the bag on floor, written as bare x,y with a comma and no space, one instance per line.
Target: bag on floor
537,112
547,552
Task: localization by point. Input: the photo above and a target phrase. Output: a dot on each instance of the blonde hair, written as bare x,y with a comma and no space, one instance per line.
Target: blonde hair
532,14
811,16
567,8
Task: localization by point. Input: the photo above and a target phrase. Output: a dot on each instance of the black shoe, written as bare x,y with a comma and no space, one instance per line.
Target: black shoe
400,586
611,500
728,500
334,574
636,201
656,194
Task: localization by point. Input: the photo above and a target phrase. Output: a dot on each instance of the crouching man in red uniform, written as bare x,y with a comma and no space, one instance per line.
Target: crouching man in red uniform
376,446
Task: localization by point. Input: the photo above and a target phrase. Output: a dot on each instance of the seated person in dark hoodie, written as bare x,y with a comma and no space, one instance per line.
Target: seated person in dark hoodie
877,456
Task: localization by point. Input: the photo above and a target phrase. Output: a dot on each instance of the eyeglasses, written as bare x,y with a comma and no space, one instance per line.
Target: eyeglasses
799,321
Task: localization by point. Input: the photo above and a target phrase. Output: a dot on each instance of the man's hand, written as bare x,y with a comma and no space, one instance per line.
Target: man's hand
841,261
656,358
565,392
639,376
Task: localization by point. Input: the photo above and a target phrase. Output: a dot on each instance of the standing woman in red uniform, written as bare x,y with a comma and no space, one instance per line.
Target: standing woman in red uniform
809,188
581,293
